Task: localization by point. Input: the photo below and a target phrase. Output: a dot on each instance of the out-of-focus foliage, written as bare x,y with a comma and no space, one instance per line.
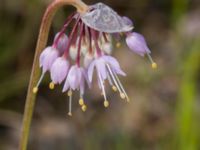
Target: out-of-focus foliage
164,110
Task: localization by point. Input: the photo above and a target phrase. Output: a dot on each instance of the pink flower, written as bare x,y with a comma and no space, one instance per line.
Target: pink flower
59,70
88,46
101,64
47,57
137,43
76,79
107,67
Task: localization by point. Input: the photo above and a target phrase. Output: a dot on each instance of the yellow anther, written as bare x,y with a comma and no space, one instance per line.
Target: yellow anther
84,108
154,65
118,44
106,103
122,95
69,114
51,85
69,93
35,90
114,88
81,101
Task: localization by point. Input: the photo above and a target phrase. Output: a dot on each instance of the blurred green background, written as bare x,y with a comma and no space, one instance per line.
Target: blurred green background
164,112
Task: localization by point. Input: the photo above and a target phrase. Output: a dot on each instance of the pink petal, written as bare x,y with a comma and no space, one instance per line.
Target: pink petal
113,63
66,86
137,43
73,77
49,59
101,68
59,70
91,70
43,55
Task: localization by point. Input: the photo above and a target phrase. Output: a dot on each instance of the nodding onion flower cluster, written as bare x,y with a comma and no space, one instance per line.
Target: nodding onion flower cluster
92,39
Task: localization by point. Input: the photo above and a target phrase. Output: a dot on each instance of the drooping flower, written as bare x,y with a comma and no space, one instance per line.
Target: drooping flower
59,70
92,38
47,57
76,79
137,43
107,67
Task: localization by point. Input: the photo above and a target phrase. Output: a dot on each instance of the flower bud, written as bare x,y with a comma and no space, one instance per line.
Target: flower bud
137,43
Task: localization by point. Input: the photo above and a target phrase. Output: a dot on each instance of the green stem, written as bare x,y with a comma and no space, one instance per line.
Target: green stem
187,121
41,43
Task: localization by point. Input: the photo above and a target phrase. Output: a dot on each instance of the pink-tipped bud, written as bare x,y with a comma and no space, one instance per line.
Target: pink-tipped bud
62,42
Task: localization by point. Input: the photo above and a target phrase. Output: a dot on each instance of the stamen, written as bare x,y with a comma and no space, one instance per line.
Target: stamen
70,102
35,89
69,93
123,94
84,108
118,44
113,77
114,88
106,103
153,64
81,101
117,82
51,85
111,83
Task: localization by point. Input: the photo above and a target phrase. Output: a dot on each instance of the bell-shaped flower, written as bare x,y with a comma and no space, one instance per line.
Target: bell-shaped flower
101,64
76,79
59,70
136,42
47,57
107,67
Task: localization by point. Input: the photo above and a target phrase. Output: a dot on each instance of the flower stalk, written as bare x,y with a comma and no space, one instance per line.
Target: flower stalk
41,43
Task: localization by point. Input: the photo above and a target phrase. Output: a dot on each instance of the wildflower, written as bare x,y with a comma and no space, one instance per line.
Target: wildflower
137,44
47,57
76,81
59,70
90,38
107,67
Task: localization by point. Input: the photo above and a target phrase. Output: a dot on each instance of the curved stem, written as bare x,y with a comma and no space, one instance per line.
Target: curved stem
41,43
